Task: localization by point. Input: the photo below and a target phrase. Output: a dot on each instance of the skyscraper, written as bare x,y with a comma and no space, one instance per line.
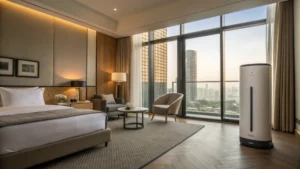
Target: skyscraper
160,66
191,75
160,63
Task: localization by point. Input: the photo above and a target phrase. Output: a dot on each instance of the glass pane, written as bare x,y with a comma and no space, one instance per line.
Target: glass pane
201,25
167,32
232,100
251,48
203,77
145,37
238,51
245,16
165,68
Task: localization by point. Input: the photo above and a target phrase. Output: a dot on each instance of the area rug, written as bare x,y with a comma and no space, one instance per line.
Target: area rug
129,149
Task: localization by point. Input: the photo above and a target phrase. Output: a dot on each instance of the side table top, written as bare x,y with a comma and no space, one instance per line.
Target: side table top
132,110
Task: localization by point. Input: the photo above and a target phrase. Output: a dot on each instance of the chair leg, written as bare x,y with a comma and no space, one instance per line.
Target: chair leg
175,117
166,118
153,114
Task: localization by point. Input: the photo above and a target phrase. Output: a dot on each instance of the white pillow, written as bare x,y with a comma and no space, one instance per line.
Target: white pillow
4,88
109,98
22,96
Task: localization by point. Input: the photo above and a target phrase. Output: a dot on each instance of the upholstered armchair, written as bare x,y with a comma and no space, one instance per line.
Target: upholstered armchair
110,108
167,104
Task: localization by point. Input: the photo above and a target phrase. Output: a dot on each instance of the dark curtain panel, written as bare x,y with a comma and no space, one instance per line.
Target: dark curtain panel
284,69
123,63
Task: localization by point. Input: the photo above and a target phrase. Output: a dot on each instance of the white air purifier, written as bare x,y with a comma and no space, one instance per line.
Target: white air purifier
255,105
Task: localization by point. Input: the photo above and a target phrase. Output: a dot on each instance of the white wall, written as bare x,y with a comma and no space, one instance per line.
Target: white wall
297,59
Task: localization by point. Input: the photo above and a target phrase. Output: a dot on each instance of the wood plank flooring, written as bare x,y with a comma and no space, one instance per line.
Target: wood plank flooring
217,147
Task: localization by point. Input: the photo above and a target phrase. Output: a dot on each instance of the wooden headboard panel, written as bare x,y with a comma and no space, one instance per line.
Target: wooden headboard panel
70,92
50,92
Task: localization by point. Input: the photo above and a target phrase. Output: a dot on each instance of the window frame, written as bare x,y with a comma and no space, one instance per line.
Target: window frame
181,58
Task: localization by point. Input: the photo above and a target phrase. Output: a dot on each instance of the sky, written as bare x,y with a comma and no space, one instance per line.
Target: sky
242,46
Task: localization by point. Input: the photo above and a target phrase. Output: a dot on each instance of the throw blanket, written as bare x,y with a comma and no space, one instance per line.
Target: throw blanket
10,120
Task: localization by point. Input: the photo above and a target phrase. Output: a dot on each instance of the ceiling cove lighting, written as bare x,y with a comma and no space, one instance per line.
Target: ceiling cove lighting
35,12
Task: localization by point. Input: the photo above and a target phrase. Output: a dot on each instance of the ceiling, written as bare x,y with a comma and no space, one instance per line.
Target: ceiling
124,7
137,16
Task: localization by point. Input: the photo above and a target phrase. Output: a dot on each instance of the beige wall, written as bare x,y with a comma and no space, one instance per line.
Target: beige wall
61,47
297,59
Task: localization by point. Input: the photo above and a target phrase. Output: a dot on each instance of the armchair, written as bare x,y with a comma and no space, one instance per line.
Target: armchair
167,104
110,109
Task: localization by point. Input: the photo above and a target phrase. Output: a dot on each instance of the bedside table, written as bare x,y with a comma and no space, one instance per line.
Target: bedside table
82,105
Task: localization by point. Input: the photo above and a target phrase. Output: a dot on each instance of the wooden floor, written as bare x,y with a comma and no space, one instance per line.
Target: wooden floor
217,147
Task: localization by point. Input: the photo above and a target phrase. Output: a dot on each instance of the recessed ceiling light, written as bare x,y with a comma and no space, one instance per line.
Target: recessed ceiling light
115,9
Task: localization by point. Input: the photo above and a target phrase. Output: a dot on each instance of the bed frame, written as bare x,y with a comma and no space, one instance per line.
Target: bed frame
37,155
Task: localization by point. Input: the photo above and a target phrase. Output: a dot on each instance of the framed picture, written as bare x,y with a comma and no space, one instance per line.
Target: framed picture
6,66
27,68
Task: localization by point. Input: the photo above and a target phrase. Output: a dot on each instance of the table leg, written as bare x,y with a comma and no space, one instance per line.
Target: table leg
124,121
143,119
137,115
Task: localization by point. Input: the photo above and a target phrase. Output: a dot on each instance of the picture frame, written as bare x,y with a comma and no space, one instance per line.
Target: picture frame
7,65
27,68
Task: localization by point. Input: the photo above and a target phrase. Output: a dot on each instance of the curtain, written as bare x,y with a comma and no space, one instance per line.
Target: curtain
271,11
136,71
123,57
283,68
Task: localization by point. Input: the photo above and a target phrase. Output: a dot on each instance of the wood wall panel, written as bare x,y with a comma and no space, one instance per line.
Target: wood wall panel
91,91
70,92
50,92
106,63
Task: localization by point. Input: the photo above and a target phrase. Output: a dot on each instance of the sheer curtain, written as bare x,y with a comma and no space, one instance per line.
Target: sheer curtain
136,71
271,10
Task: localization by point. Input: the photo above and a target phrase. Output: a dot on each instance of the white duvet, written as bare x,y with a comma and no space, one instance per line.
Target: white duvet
20,137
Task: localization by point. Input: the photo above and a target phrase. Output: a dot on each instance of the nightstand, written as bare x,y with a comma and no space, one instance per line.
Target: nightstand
82,105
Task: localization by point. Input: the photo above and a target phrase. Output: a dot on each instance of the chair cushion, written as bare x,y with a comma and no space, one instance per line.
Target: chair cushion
113,107
162,106
109,98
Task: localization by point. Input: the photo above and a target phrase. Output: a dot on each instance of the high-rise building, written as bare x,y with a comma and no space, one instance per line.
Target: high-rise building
160,66
191,75
145,76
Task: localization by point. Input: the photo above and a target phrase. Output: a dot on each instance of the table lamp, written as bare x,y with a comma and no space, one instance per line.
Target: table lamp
118,77
78,84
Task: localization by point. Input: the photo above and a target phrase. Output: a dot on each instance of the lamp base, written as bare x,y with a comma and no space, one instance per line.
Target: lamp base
119,91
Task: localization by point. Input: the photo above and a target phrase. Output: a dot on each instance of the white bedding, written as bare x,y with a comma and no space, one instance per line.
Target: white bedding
19,137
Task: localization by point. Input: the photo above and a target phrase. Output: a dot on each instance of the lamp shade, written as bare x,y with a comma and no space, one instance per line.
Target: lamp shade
118,77
78,83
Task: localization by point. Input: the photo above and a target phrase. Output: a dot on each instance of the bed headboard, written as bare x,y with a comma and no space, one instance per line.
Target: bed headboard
70,92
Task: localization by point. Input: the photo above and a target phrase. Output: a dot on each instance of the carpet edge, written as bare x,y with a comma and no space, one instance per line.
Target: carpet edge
202,126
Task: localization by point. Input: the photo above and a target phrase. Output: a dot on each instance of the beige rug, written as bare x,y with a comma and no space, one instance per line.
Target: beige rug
129,149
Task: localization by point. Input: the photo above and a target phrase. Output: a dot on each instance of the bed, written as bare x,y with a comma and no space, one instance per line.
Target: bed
36,133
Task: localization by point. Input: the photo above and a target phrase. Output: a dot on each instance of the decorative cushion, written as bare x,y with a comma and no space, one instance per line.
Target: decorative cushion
22,96
109,98
113,107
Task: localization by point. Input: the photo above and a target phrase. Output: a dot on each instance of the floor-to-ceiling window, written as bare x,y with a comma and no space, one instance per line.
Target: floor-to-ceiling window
202,74
210,53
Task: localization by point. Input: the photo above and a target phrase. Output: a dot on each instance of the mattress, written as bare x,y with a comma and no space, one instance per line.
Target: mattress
24,136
